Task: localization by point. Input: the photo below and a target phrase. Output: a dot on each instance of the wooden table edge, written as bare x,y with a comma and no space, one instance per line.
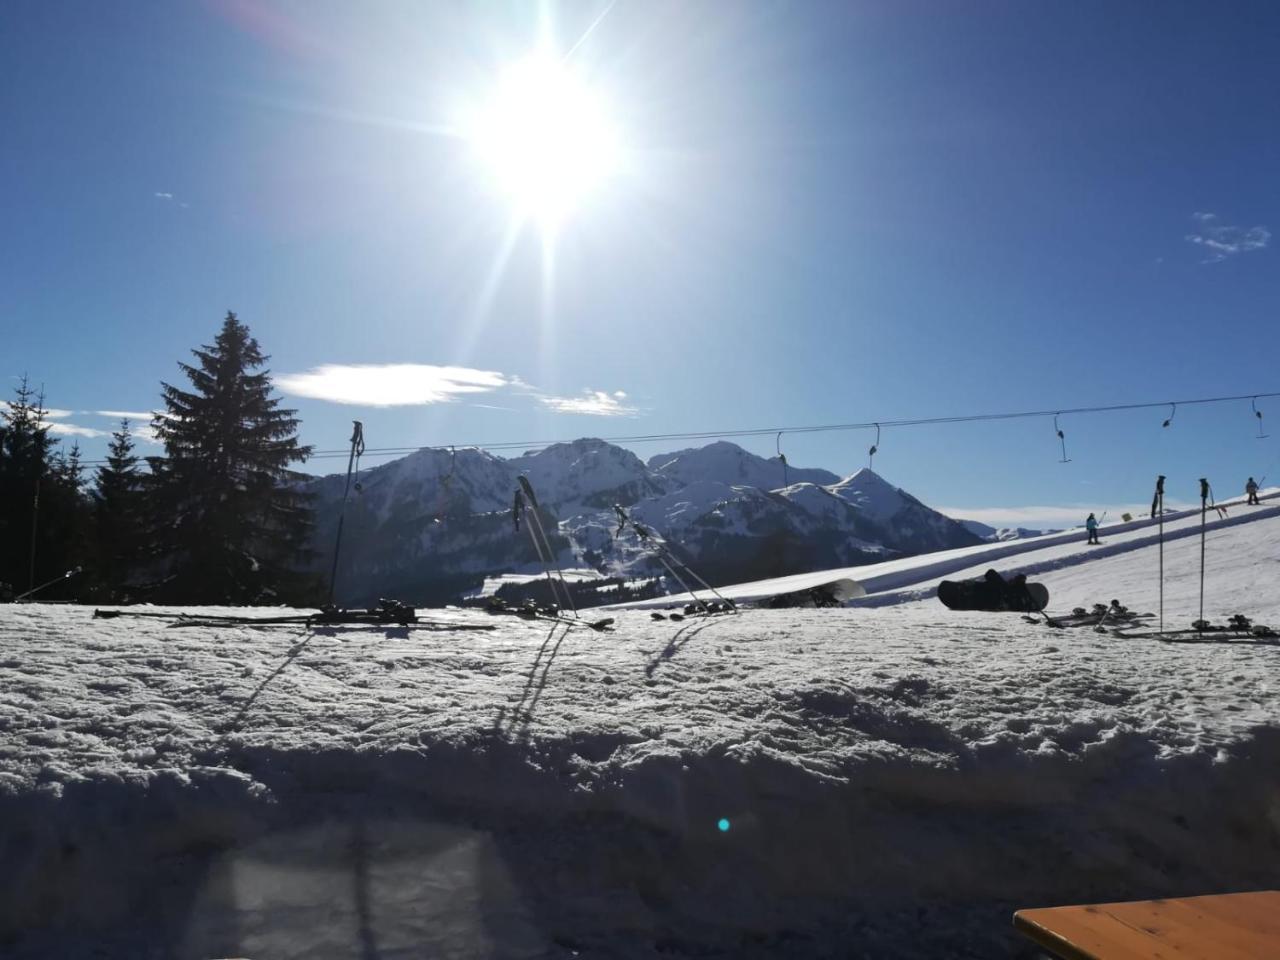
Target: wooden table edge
1048,939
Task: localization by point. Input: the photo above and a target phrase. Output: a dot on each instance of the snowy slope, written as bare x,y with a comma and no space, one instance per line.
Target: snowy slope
916,577
895,778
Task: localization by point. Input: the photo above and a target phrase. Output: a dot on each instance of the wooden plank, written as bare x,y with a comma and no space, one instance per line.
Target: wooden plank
1081,933
1258,910
1219,927
1192,931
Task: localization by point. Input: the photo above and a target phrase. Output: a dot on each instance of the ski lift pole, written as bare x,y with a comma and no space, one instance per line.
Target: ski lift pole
1157,509
357,448
1062,439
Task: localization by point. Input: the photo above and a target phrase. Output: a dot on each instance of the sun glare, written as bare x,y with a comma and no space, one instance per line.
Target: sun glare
546,137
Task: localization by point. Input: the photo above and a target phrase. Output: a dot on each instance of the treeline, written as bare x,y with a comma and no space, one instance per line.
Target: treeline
219,518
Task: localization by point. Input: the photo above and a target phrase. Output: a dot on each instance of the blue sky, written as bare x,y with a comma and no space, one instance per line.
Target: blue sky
823,212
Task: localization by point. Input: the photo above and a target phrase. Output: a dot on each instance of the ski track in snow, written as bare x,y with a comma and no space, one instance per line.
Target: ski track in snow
896,779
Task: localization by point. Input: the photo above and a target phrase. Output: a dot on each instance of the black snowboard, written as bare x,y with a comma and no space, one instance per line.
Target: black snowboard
993,592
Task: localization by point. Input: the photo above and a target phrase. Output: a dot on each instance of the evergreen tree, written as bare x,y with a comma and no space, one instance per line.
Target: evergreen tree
233,525
117,515
66,540
25,458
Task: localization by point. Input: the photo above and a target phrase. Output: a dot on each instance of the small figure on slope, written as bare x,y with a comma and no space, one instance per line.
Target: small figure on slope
1092,526
1251,488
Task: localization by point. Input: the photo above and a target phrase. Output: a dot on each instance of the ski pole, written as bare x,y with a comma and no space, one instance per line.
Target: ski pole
1157,507
693,573
1204,499
537,521
518,507
48,583
665,557
357,448
35,520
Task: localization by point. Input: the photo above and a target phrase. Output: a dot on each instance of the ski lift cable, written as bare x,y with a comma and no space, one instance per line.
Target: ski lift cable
531,445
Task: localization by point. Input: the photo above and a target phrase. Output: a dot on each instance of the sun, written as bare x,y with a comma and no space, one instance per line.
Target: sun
546,138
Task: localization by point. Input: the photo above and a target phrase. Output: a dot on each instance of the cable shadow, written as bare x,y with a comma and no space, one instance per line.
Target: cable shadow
234,724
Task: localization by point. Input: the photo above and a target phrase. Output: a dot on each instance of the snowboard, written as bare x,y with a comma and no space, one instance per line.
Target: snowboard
993,594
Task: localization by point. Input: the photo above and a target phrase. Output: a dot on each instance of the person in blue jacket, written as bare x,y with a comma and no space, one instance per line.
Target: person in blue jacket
1092,526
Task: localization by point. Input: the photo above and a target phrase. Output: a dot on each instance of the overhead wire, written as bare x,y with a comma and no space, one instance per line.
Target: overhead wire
533,445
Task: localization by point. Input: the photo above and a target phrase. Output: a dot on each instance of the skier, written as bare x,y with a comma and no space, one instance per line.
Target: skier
1092,526
1251,488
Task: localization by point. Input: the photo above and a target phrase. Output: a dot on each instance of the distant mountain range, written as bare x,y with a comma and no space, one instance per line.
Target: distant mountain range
994,534
431,525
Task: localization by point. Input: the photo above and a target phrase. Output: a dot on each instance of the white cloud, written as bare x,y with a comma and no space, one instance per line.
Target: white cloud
1051,517
389,384
163,195
1223,240
72,430
596,403
124,414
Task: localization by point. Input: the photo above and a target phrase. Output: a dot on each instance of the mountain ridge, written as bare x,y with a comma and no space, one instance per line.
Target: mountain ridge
429,525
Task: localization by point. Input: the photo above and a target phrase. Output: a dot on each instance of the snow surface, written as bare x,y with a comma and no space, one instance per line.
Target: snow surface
896,780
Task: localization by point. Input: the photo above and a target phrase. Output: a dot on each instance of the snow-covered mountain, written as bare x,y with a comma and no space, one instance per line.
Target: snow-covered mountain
586,474
435,523
912,527
728,463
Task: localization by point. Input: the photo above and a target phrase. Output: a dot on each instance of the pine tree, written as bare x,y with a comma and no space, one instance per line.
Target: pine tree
25,458
234,526
66,541
117,515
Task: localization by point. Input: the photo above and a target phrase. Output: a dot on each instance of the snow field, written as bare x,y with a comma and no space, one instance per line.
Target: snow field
895,780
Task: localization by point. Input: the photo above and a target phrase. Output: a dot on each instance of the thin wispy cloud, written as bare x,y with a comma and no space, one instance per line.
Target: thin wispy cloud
163,195
1223,240
390,384
595,403
49,413
75,430
124,414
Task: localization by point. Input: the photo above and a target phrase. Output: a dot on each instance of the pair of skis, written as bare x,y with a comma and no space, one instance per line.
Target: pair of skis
1100,617
531,611
388,613
1237,627
673,564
